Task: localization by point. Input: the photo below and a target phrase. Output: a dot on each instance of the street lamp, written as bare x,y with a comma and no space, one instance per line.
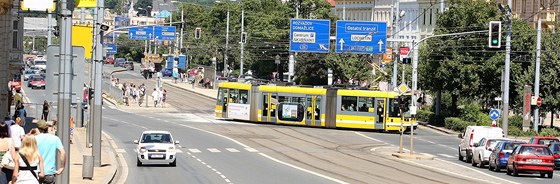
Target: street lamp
227,39
277,61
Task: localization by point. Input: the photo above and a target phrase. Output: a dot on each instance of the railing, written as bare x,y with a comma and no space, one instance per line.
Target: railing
112,91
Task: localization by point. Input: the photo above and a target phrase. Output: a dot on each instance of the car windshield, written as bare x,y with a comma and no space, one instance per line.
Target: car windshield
29,72
510,145
156,138
492,143
120,60
547,141
37,78
40,62
534,150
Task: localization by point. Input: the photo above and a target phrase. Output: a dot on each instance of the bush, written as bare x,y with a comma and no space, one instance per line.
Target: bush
553,132
424,115
515,131
516,121
457,124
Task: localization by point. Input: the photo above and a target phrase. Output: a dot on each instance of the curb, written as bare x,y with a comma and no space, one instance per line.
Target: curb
436,128
412,157
194,92
113,172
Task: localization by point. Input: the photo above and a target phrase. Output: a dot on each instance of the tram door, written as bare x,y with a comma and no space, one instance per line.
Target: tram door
225,101
269,107
379,113
313,115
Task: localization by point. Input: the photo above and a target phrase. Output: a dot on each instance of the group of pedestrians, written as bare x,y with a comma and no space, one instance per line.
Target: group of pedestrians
133,93
159,96
29,158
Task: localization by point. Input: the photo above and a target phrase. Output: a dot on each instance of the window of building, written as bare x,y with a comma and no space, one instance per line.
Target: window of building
431,16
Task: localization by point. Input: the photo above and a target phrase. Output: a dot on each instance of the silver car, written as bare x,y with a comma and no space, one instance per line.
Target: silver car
156,147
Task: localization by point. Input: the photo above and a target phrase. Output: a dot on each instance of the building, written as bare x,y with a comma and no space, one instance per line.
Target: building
418,21
530,11
11,49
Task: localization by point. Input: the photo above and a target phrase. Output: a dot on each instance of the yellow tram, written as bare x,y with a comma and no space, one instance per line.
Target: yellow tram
308,106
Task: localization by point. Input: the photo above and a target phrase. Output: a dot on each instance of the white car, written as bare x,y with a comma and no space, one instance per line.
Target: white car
472,135
156,147
481,154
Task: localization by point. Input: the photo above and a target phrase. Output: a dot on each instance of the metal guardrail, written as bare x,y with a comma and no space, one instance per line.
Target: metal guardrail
112,91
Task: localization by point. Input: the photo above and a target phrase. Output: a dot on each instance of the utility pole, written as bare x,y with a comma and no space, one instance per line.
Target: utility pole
226,49
442,6
242,44
395,45
170,24
89,132
97,121
505,111
65,87
181,36
49,29
537,74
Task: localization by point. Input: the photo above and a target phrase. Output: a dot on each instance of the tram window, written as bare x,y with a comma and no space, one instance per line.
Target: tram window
290,112
265,105
309,106
318,108
394,110
364,103
274,103
349,103
234,96
243,96
221,95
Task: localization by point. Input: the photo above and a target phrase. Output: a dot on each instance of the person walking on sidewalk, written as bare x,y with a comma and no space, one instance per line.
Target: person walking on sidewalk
155,95
163,97
160,92
48,145
17,133
27,161
8,121
46,110
6,145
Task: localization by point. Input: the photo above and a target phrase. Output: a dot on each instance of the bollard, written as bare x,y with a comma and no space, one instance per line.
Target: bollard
87,167
79,113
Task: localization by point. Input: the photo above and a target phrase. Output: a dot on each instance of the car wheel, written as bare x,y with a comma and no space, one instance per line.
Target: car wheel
174,163
497,168
490,168
481,164
550,174
469,158
460,156
515,171
138,163
543,175
508,172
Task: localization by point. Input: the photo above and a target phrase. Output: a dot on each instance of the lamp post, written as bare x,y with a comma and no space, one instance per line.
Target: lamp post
215,70
146,41
277,61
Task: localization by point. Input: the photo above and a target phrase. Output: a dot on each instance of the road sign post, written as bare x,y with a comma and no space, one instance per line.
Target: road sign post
361,37
309,35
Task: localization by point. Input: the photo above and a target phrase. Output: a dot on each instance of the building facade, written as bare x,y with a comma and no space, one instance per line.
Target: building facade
531,11
11,49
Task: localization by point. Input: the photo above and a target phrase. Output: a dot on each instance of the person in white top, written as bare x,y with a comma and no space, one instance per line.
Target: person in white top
155,95
17,133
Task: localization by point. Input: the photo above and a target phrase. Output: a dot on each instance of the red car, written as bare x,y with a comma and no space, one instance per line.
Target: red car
37,82
543,140
16,85
109,60
531,158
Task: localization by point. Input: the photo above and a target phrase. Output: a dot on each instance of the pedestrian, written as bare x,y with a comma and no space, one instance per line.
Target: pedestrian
8,121
164,97
27,161
126,94
17,133
160,100
71,130
48,145
46,110
134,90
6,149
22,113
155,95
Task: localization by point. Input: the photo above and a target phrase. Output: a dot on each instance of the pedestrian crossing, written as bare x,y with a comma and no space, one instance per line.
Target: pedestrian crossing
206,150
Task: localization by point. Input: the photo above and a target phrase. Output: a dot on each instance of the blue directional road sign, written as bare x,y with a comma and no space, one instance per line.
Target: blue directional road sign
111,48
494,114
140,33
165,32
309,35
361,37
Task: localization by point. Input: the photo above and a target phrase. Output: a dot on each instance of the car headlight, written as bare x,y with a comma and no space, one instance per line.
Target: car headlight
142,150
171,149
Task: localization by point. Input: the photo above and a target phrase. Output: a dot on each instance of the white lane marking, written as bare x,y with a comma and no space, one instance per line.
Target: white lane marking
213,150
427,154
194,150
179,151
367,137
232,150
120,150
266,156
446,155
480,172
252,150
210,167
302,169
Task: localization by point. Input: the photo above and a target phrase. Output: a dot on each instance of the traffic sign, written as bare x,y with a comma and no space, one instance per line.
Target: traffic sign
403,88
361,37
539,102
165,32
310,35
111,48
494,114
140,33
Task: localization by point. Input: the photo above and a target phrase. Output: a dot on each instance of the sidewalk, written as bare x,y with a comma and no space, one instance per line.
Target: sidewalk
101,175
210,93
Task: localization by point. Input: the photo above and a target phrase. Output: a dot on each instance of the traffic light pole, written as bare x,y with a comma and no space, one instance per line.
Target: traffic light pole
65,88
505,111
97,99
537,74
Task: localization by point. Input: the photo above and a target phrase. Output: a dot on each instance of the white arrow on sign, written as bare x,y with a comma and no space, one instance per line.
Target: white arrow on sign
495,114
380,45
322,47
341,43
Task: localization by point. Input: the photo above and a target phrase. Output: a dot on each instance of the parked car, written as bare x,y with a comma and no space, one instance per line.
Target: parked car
37,82
109,60
531,158
119,62
156,147
28,73
15,84
33,78
165,72
482,150
472,135
555,148
543,140
500,154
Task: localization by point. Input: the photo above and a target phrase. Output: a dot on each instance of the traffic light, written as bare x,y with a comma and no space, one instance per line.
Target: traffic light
495,34
244,37
197,33
90,94
406,61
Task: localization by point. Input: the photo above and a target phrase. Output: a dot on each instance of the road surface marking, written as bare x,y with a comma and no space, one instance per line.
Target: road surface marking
232,150
213,150
120,150
252,150
427,154
473,169
446,155
367,137
194,151
178,151
210,167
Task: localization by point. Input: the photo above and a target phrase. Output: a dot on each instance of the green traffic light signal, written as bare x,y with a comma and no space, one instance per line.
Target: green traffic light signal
495,41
